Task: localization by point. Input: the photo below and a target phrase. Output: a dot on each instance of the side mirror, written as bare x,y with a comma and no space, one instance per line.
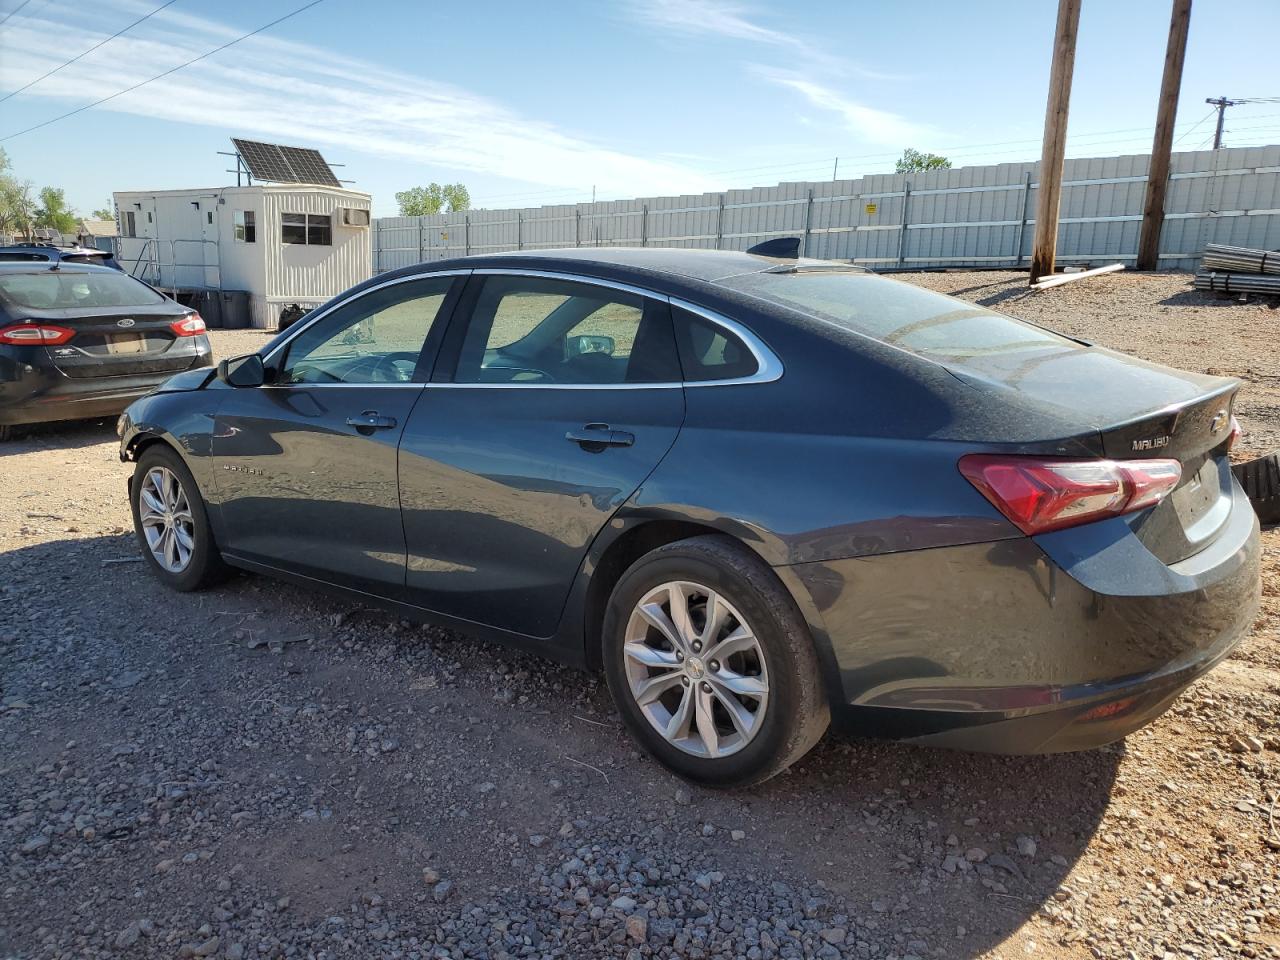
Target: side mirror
246,371
580,346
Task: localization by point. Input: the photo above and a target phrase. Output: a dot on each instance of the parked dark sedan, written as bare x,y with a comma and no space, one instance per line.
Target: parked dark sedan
759,493
86,341
48,253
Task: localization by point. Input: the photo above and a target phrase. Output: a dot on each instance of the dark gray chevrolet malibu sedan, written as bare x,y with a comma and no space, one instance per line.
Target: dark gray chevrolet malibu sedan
760,494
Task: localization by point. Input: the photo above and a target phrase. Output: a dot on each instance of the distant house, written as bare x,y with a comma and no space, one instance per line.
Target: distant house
279,243
96,233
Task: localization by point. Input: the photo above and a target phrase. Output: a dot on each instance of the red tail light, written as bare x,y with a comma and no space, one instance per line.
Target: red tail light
35,335
192,325
1042,495
1236,433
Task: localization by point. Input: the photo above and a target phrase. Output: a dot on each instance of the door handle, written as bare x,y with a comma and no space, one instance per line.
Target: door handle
371,420
599,436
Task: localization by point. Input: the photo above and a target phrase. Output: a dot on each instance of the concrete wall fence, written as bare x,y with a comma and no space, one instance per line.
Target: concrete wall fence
969,216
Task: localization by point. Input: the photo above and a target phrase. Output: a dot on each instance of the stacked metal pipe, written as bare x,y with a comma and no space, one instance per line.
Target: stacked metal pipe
1238,282
1228,269
1219,256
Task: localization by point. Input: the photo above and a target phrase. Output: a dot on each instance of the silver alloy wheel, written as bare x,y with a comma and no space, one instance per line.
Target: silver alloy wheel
696,669
166,519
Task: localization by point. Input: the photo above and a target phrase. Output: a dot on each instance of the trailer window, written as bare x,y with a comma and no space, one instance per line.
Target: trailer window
246,230
315,229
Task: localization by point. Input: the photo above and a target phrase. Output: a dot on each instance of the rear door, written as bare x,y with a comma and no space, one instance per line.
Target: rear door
306,464
566,395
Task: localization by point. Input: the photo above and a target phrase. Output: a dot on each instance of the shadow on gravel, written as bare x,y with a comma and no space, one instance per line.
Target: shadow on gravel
63,435
956,850
1013,294
1207,298
986,839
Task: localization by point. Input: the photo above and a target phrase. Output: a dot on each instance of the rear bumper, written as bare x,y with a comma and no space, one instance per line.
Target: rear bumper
1062,642
37,395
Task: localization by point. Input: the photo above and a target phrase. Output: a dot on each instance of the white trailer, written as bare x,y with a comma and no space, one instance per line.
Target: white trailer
279,243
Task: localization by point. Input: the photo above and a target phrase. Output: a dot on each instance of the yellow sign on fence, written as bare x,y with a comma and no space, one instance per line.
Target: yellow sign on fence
871,209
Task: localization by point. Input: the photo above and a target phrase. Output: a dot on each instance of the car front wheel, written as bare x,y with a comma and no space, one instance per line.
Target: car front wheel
170,522
711,665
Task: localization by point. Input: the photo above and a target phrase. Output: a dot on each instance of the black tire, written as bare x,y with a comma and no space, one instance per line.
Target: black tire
206,566
797,713
1261,481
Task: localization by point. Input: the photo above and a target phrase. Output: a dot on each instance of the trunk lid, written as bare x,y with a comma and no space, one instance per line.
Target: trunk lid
1129,409
123,342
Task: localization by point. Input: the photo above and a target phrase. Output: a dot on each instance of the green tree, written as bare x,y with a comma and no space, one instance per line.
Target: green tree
915,161
433,198
104,213
17,209
54,212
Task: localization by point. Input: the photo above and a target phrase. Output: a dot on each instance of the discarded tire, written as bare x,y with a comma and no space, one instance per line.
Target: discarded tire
1261,481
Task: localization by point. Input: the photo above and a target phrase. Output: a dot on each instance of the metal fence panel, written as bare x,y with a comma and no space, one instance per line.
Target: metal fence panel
981,216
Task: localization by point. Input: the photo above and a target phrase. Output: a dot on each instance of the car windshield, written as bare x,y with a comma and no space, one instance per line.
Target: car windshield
57,290
897,313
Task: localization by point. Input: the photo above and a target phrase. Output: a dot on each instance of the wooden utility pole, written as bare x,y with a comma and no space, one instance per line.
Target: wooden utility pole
1049,196
1221,103
1162,145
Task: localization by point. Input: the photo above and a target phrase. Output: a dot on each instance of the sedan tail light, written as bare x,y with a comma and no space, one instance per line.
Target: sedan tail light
1039,495
1234,436
192,325
35,335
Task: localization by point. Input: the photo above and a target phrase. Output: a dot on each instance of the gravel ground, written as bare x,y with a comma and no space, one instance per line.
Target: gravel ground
258,771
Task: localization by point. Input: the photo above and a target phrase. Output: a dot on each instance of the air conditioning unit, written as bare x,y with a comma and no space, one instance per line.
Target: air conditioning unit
355,217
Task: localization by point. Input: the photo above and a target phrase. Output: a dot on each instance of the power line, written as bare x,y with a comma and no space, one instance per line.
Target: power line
1193,128
13,11
87,52
161,76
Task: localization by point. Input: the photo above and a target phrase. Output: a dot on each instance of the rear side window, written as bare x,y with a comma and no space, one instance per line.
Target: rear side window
24,257
539,330
708,352
897,313
55,290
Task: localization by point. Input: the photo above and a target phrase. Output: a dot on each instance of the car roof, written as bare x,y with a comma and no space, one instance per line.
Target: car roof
53,266
706,265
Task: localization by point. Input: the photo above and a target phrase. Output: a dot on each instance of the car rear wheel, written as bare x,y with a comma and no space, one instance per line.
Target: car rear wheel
170,522
711,665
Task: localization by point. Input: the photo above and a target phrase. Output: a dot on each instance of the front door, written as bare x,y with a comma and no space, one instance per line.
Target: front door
565,397
306,464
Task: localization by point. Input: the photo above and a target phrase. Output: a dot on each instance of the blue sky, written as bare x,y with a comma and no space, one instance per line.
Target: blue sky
531,103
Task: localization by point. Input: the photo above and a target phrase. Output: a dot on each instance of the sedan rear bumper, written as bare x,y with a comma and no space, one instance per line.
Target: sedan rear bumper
1031,645
44,395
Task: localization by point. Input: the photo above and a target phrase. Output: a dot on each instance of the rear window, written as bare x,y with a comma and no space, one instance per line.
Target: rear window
55,290
897,313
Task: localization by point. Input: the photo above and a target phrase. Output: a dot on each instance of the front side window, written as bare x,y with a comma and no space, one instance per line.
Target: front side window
246,230
315,229
540,330
376,338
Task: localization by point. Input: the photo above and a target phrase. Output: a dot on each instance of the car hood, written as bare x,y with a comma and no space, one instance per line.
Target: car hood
187,380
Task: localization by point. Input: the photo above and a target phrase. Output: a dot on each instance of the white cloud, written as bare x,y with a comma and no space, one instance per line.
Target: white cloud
870,123
718,17
297,93
735,21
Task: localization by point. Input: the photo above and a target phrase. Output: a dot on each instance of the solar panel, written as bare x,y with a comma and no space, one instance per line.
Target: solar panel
280,164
